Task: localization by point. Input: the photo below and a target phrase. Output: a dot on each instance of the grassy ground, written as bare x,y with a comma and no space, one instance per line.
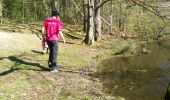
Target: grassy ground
24,73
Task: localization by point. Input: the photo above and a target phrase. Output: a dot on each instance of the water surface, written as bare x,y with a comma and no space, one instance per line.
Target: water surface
142,77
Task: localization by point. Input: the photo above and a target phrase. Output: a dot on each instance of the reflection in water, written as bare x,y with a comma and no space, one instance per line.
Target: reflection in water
142,77
165,65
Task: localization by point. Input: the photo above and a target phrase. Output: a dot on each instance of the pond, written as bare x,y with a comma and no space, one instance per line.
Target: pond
140,77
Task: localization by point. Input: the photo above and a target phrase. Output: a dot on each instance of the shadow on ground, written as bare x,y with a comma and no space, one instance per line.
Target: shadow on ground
17,62
38,52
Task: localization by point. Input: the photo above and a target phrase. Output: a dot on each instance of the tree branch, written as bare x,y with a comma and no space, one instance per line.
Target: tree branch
150,8
77,7
104,2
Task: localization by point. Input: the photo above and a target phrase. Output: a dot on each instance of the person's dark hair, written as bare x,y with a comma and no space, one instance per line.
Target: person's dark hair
55,13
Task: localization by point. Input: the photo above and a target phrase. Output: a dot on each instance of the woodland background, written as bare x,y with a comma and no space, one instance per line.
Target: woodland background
144,19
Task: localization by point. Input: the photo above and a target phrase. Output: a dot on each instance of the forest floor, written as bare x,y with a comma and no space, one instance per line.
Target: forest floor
24,73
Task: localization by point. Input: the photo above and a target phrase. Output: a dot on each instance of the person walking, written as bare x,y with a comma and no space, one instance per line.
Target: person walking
52,28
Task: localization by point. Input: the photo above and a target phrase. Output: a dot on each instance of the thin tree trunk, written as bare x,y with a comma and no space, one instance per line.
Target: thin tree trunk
111,17
53,4
35,6
85,3
97,20
1,9
23,10
121,18
46,8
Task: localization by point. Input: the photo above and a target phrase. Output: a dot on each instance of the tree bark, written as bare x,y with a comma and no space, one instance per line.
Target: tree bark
111,17
89,39
1,9
35,6
46,8
23,10
53,4
121,18
85,4
97,20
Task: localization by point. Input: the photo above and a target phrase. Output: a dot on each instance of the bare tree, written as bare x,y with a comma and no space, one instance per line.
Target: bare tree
1,9
85,4
97,19
89,39
94,20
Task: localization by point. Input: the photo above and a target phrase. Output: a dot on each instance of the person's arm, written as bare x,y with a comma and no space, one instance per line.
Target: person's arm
62,36
43,30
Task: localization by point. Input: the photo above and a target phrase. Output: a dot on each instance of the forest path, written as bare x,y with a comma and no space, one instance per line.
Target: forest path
19,41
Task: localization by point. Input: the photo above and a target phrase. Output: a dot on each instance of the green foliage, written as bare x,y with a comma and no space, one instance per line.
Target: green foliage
27,10
23,10
143,23
127,16
8,6
86,98
122,47
136,20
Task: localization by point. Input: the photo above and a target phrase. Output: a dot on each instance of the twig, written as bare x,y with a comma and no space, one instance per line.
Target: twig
77,7
154,11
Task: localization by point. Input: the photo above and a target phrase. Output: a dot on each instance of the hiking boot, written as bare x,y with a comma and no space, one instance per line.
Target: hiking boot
53,70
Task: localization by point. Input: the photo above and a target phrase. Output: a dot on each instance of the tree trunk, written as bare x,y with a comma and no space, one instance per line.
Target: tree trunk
1,9
46,8
121,18
23,10
53,4
35,6
111,17
89,39
85,4
97,20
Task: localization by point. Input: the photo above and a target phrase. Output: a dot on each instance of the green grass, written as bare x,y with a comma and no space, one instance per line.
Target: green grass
13,89
46,82
21,71
86,98
70,59
123,47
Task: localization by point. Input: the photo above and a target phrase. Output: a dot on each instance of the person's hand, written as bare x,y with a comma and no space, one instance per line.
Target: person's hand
64,41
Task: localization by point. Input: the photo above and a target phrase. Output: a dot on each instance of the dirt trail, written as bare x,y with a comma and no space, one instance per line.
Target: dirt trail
19,41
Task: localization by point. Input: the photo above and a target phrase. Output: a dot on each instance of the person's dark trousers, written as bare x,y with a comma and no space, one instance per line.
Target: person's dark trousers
53,46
